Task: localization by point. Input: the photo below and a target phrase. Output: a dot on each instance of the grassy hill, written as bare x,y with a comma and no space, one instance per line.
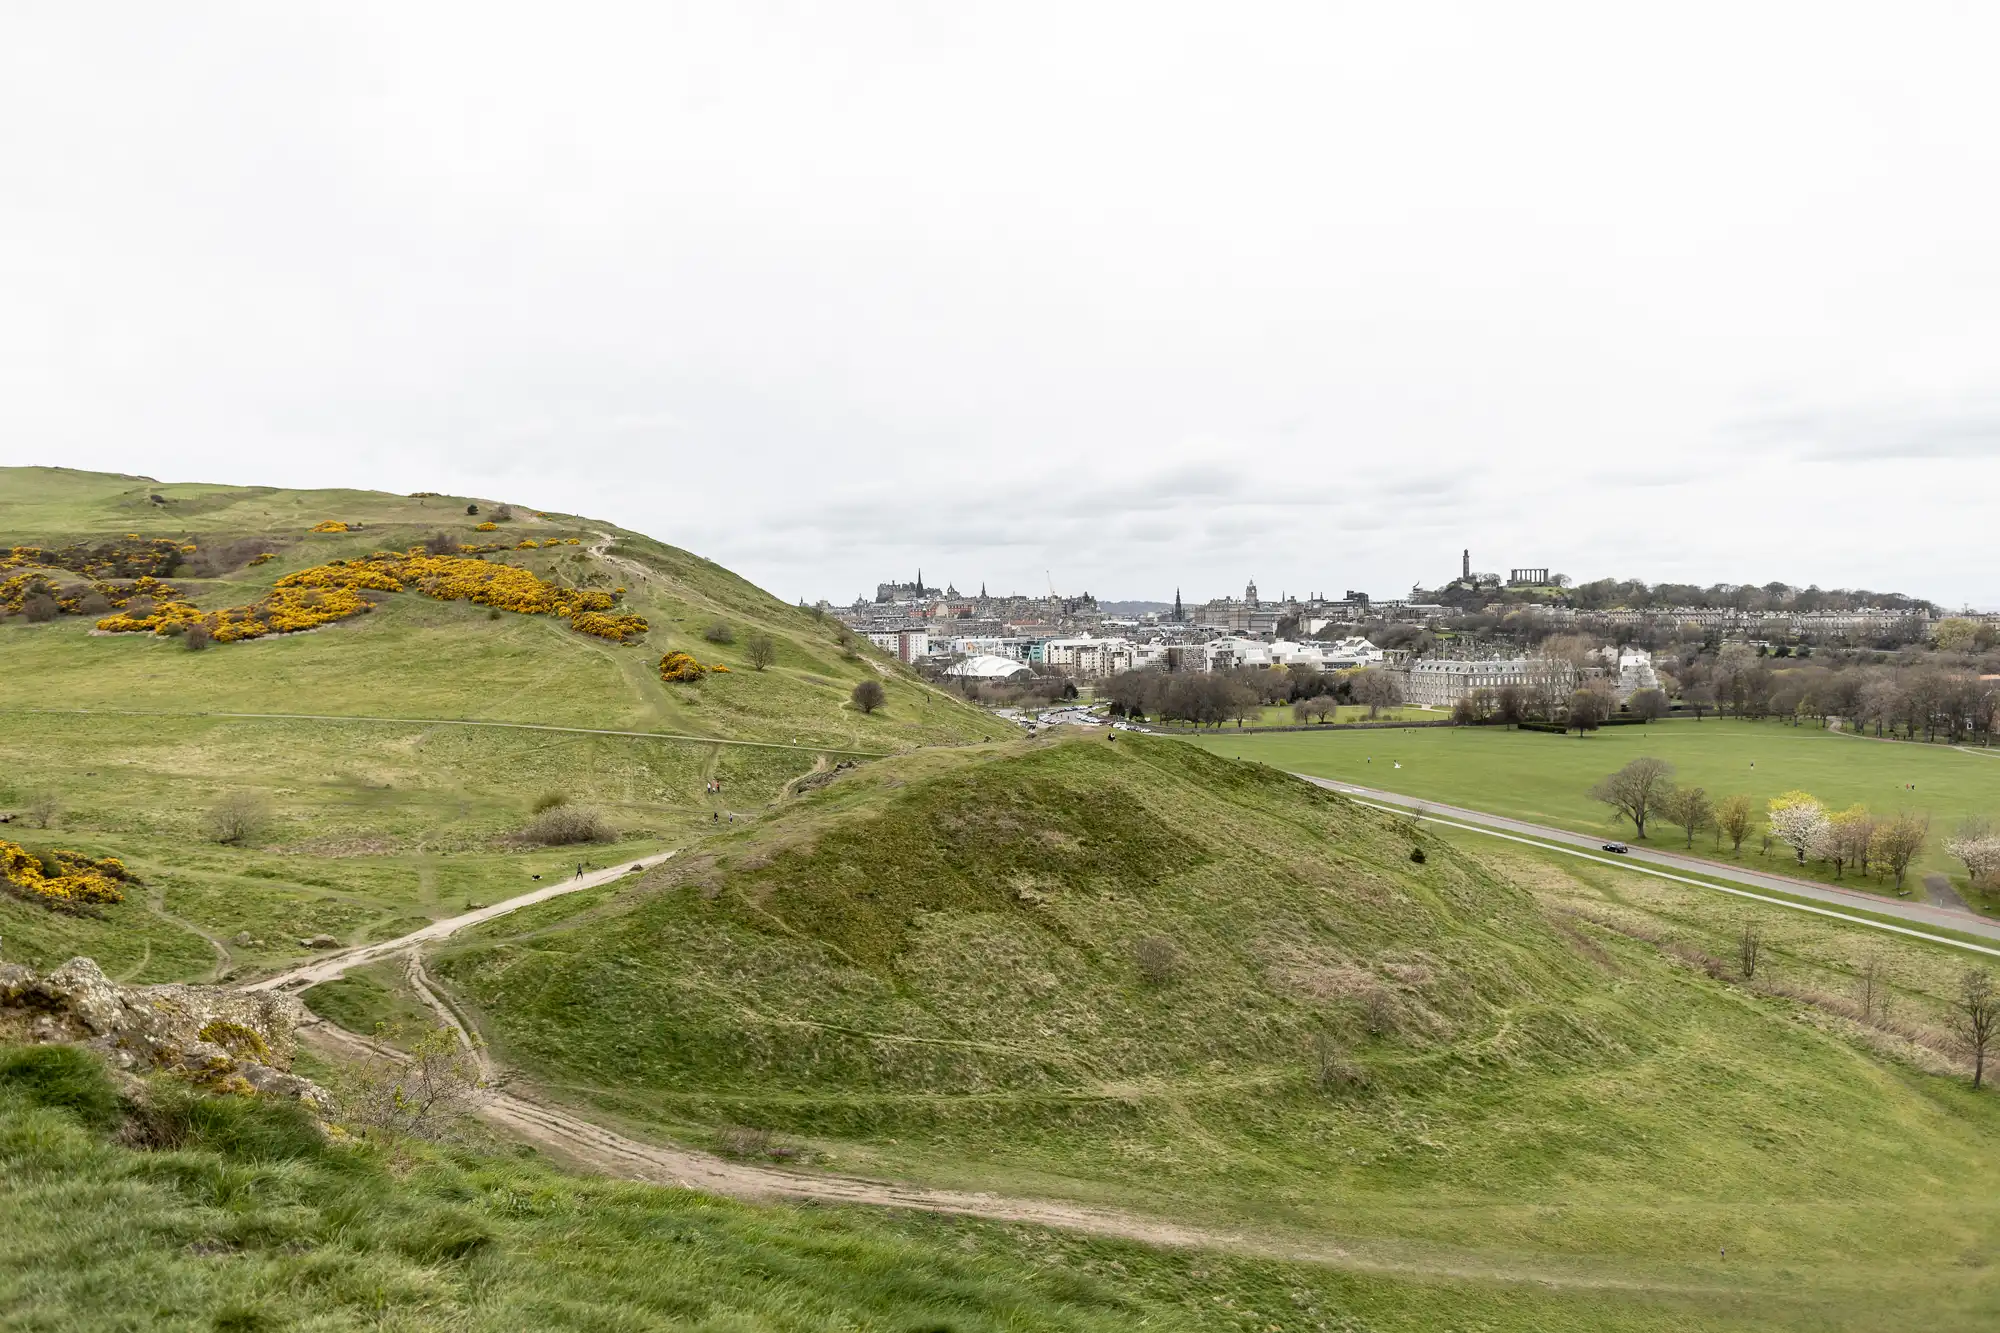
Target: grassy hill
383,810
948,966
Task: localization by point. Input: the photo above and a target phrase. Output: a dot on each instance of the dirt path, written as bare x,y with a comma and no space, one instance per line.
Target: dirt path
339,964
1942,894
456,722
571,1138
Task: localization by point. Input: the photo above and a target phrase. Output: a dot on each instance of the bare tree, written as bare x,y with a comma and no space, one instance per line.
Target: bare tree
1587,710
1688,808
1636,790
1378,689
1975,1018
1649,704
1700,700
426,1096
762,650
1900,841
1871,984
43,807
236,819
1749,948
1736,816
869,696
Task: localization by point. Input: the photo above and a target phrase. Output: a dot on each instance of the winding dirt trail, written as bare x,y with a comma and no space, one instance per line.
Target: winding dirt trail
339,964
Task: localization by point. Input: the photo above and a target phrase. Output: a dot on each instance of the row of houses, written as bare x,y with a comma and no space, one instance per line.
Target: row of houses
1090,657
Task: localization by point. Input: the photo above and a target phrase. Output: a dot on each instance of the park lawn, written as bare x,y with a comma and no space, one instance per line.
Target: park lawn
1545,778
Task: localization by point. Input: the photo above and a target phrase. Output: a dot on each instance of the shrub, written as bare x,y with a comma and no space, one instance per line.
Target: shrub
331,525
565,825
197,637
237,818
39,608
549,800
762,651
1158,959
743,1141
869,696
718,631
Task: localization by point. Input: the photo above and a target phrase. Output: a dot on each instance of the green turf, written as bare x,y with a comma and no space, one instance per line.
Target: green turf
1545,778
864,974
249,1222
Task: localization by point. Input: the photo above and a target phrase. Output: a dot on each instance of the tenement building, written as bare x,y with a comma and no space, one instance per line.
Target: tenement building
1442,682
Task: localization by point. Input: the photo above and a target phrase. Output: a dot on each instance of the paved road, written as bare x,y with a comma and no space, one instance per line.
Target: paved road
1916,913
339,964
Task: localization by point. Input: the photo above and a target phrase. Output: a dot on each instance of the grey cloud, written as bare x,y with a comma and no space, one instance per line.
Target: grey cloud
1880,434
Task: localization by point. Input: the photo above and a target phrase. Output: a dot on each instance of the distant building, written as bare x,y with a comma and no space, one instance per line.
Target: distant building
907,644
1088,657
986,668
1528,578
1441,682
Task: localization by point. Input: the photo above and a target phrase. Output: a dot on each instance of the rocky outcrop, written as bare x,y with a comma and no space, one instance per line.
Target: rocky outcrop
229,1040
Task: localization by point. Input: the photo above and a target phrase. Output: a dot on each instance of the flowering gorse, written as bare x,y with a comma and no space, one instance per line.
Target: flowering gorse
323,594
76,878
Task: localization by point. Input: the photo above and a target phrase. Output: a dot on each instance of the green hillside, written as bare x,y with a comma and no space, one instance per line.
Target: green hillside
382,811
938,967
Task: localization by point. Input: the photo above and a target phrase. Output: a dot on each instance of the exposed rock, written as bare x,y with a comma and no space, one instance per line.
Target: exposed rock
222,1038
319,942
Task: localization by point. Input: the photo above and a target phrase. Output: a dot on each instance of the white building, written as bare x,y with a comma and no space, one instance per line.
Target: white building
1635,673
1088,657
1441,682
986,667
907,644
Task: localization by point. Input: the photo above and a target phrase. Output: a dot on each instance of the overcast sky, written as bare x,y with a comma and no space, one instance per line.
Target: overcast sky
1129,297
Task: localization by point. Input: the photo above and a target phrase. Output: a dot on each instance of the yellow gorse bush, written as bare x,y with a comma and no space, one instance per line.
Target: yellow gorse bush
323,594
16,590
486,527
129,557
81,880
331,525
682,667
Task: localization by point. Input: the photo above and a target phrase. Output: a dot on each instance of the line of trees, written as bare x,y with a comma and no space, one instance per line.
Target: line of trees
1238,695
1644,791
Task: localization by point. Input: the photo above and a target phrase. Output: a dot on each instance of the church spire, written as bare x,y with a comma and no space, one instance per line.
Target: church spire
1177,606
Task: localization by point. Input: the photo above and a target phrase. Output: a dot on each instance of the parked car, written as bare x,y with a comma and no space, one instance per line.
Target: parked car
1618,847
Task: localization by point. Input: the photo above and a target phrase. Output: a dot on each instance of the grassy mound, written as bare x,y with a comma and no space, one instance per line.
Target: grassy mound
946,966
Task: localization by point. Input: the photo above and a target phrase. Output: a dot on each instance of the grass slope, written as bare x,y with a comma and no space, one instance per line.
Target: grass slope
929,968
1545,778
378,826
249,1222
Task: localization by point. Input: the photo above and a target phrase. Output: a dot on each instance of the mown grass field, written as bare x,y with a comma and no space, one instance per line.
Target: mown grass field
1546,778
929,970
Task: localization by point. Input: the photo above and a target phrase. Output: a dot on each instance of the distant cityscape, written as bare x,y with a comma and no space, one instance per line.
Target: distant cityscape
1474,631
